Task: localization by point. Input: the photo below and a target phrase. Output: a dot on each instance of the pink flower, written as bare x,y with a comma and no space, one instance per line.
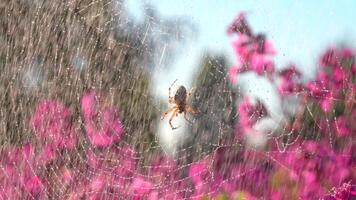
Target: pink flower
269,48
353,69
326,103
250,113
262,46
339,76
104,127
289,81
345,191
240,26
127,159
341,127
92,159
322,94
243,48
347,53
317,89
141,187
47,155
261,64
201,178
197,172
97,183
34,185
330,58
89,105
118,161
52,123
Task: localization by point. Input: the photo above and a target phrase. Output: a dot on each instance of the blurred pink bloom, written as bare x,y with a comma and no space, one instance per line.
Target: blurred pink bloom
47,154
327,103
89,105
353,69
97,183
261,64
344,192
240,26
19,166
289,81
34,185
330,58
92,159
250,112
339,77
102,186
341,127
103,127
243,49
141,187
347,53
197,172
127,162
202,179
324,96
316,89
119,162
52,123
252,51
269,48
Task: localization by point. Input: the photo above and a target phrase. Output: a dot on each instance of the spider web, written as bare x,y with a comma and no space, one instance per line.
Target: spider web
61,50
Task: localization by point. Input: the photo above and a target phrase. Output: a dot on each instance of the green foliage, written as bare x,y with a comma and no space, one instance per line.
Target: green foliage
214,99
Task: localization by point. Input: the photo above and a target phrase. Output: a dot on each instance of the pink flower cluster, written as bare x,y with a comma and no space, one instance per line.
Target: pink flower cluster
26,169
333,81
103,127
321,156
253,51
52,124
19,175
346,191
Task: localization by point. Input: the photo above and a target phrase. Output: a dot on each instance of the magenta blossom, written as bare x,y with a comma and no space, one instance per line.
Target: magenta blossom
262,64
103,127
20,172
250,112
289,81
141,187
341,126
240,26
345,191
52,123
252,51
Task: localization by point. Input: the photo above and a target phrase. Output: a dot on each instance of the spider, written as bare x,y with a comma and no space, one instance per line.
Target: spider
180,99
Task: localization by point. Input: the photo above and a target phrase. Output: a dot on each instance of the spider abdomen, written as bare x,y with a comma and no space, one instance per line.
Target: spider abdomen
180,98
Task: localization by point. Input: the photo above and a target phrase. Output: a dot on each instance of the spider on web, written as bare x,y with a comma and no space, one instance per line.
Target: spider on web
181,104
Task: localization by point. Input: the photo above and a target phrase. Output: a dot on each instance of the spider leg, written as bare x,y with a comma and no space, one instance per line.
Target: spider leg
185,117
170,119
191,110
169,89
168,111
